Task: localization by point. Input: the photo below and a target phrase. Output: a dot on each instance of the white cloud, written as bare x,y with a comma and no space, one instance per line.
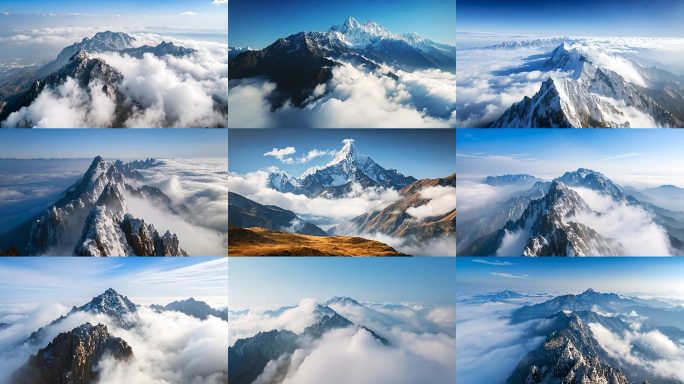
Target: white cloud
442,200
253,185
509,275
220,2
492,262
170,91
353,99
422,338
188,13
631,226
282,153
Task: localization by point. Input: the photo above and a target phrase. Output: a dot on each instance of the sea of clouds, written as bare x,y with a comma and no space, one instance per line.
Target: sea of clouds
352,98
168,347
183,92
422,341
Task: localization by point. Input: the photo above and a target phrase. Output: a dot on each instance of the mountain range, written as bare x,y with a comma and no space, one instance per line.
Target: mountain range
546,220
21,88
582,93
570,350
74,356
248,357
341,177
91,218
300,62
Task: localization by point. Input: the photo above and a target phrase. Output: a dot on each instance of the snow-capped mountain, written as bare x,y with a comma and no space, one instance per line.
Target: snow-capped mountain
302,61
582,93
92,217
338,176
92,75
549,220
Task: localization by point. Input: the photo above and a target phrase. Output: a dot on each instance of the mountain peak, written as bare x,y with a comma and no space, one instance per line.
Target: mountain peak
80,55
112,304
351,22
347,153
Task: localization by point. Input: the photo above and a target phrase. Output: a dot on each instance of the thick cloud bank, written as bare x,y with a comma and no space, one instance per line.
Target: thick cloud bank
183,92
422,344
327,210
352,98
197,188
168,347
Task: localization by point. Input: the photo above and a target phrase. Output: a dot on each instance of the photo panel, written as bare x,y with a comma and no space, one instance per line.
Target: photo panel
340,320
605,320
114,64
104,320
350,64
555,192
352,192
561,64
84,192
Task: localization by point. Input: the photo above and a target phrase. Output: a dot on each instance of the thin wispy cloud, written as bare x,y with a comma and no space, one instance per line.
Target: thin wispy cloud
509,275
283,155
496,263
628,155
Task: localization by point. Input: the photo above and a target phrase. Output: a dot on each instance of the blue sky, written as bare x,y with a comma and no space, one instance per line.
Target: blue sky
627,275
113,143
419,153
145,280
191,14
579,17
258,23
637,157
259,282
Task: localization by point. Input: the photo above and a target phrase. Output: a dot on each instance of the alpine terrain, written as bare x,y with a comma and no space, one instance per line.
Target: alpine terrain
568,216
92,217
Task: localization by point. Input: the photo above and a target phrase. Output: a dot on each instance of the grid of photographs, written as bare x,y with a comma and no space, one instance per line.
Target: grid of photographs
366,192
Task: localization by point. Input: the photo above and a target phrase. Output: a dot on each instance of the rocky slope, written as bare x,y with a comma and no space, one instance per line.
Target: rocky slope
243,212
395,221
263,242
72,357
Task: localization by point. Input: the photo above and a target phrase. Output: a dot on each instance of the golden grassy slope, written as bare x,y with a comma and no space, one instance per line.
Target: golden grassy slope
264,242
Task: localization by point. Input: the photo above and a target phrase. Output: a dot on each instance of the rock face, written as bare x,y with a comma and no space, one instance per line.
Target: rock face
243,212
546,220
194,308
394,220
592,96
338,177
248,357
568,355
160,50
92,218
300,62
72,357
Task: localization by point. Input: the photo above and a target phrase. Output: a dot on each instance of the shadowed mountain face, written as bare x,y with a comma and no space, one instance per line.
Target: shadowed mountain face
92,217
243,212
248,357
300,62
194,308
72,357
593,96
